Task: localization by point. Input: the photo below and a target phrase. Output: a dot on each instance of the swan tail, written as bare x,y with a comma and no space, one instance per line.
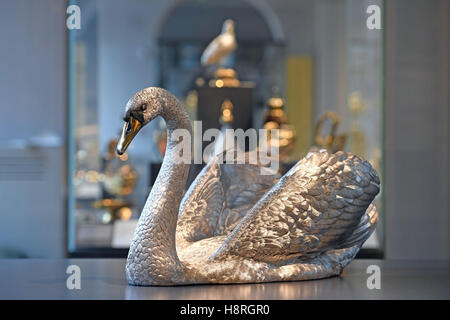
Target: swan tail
364,229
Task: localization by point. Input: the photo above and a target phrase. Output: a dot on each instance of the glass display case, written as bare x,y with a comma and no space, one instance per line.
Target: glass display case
317,57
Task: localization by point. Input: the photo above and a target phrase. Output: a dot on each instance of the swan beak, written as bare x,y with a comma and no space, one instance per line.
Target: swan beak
130,129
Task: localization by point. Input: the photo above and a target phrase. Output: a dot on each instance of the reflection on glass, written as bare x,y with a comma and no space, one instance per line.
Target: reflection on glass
328,65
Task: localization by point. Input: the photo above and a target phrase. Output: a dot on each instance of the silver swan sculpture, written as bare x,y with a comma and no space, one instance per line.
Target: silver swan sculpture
235,225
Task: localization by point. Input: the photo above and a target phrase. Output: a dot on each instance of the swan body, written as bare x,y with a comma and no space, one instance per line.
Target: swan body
235,225
219,48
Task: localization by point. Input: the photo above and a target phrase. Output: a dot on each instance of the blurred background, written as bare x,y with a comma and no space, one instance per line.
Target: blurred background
313,69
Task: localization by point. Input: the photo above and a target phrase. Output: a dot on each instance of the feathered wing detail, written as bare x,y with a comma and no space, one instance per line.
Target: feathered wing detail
364,229
218,198
243,186
201,206
317,206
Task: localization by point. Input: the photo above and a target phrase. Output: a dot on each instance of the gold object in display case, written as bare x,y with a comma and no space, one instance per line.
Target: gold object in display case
121,182
226,112
119,178
331,141
224,77
357,138
115,209
160,137
216,52
276,119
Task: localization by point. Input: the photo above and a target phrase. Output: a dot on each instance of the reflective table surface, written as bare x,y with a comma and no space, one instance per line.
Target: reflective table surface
105,279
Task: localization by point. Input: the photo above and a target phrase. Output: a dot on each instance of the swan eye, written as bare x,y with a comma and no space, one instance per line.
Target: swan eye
128,127
143,107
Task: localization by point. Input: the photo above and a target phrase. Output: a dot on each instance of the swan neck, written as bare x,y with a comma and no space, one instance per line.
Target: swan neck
155,234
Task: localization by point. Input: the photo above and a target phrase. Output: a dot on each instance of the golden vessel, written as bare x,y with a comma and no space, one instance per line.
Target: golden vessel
276,119
331,141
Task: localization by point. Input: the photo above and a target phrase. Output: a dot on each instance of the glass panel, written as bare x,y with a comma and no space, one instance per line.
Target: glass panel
317,57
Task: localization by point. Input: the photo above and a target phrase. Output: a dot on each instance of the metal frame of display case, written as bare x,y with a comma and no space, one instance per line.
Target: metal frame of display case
108,252
123,253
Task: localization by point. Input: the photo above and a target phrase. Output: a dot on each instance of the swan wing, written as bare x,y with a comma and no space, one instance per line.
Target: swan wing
218,198
318,205
243,186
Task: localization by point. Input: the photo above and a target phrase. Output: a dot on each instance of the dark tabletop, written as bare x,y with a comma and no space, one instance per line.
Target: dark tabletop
105,279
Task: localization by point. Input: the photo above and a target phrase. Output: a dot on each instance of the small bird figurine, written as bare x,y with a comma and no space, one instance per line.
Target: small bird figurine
221,46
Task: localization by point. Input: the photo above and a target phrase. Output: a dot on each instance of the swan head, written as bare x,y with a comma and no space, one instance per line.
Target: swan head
143,107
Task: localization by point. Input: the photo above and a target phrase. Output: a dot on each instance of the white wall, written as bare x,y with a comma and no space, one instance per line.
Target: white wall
32,68
417,130
33,92
127,62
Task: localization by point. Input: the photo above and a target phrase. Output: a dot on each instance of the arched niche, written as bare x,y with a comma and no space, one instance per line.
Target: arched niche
187,26
255,20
